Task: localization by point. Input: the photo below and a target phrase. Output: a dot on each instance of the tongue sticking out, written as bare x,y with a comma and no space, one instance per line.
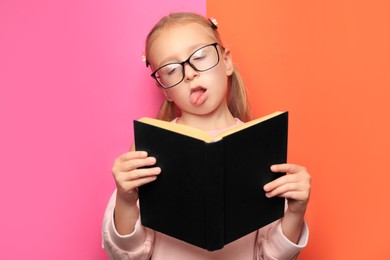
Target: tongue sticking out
198,96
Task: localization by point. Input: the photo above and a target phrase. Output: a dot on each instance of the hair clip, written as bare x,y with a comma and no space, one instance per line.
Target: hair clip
214,23
144,59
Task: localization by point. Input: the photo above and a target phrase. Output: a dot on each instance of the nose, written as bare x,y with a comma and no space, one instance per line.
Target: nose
189,71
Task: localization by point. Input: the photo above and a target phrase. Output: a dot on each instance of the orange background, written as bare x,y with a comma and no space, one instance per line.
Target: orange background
328,63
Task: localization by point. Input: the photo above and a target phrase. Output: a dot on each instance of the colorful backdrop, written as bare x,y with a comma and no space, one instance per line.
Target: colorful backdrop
72,81
328,63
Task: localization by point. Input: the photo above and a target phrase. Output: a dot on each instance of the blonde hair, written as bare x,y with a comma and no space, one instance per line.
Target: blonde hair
237,98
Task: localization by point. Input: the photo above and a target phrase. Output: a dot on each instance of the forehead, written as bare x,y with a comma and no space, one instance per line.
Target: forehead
178,41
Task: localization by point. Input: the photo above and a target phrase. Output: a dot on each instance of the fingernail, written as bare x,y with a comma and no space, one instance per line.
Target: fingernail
151,160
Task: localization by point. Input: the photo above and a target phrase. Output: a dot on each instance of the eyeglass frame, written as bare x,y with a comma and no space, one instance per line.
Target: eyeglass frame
215,44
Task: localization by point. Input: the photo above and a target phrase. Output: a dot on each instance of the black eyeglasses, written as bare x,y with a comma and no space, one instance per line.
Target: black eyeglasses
203,59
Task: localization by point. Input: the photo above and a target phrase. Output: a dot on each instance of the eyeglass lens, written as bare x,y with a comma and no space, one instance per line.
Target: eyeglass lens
201,60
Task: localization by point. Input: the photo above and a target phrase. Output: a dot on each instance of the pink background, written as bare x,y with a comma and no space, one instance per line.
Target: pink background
71,82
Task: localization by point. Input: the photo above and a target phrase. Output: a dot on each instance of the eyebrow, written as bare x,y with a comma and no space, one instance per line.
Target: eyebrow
191,49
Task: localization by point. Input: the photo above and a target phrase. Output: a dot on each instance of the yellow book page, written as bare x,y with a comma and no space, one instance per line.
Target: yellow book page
178,128
246,125
200,134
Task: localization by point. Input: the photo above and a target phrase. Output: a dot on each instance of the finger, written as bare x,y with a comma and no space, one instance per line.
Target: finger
287,168
137,174
137,163
118,163
133,155
287,187
280,181
143,173
291,195
132,185
301,188
136,178
122,165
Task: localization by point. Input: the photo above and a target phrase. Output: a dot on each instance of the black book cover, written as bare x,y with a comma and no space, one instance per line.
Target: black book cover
211,193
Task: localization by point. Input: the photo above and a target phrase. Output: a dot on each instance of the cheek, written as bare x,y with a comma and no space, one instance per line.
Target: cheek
174,94
219,78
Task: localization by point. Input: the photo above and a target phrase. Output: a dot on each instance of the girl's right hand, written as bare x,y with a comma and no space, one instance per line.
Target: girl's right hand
129,177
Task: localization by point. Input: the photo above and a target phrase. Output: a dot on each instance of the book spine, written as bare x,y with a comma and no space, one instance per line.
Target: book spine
214,186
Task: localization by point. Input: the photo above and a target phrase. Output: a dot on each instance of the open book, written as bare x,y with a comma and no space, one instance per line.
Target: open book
210,191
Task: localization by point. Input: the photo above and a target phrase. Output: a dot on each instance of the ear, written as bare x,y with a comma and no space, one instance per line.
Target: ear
227,58
166,94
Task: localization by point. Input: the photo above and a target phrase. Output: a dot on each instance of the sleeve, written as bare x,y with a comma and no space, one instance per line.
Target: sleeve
272,244
135,246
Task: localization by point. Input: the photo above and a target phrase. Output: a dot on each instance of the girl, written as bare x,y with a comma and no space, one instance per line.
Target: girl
203,90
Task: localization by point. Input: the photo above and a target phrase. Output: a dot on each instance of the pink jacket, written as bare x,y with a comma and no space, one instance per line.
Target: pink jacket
144,243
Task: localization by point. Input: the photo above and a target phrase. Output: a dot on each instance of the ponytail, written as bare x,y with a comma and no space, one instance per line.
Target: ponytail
167,111
238,102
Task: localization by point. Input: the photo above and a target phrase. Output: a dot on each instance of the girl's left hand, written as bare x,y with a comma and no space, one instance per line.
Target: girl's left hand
294,186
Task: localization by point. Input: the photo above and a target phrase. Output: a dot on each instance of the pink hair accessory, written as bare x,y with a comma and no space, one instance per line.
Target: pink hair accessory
143,57
145,60
214,23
